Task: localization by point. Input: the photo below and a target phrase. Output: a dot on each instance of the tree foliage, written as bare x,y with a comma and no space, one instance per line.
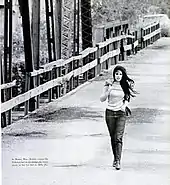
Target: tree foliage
106,10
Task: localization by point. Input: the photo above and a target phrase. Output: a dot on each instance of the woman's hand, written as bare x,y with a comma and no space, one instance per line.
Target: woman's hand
106,91
108,82
123,108
125,104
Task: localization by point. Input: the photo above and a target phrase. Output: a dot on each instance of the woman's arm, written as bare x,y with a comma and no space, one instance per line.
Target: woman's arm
105,93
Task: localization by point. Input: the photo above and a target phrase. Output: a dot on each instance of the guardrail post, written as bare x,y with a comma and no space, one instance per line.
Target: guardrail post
159,34
133,41
38,96
50,90
149,38
144,42
152,36
92,70
141,39
110,48
74,78
71,81
96,67
122,52
155,28
105,63
78,79
58,88
149,33
86,73
113,60
129,41
54,77
136,38
117,57
98,70
125,52
3,115
27,88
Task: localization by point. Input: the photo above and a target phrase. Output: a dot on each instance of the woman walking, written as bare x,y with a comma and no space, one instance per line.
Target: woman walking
118,93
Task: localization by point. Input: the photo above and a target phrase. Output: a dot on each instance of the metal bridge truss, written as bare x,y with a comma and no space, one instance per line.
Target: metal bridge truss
66,29
50,30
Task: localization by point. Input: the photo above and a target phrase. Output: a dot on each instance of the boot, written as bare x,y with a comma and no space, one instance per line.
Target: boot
118,155
117,165
114,163
114,151
118,151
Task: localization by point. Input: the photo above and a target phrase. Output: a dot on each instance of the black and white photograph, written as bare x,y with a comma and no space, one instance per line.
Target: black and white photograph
85,92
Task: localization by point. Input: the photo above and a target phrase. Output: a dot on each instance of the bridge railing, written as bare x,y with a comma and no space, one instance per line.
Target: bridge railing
150,34
66,75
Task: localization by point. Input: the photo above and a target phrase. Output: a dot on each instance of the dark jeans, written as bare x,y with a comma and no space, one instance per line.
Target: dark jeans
116,124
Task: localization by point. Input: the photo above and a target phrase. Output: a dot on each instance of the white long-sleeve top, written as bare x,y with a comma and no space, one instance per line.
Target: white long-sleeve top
115,95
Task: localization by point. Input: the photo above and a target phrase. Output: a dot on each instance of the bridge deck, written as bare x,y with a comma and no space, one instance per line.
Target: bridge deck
72,134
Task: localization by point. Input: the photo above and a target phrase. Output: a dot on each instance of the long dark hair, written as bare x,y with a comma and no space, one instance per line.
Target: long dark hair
126,83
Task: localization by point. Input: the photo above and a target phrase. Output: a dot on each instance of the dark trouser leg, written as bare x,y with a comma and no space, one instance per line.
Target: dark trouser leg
113,147
111,123
120,127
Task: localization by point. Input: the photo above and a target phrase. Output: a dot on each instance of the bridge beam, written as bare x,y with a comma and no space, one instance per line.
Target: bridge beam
8,52
86,21
24,9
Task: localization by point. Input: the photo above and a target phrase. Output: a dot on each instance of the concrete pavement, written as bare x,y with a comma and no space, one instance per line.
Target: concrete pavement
72,137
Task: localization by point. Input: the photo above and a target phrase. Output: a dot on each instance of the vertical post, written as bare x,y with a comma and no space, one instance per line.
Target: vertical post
58,88
50,38
76,38
114,47
144,42
76,27
8,50
147,41
74,30
129,41
27,87
36,41
159,34
3,115
96,57
24,8
76,65
122,52
50,30
6,41
141,41
59,73
86,24
10,57
108,50
136,37
58,22
71,81
152,29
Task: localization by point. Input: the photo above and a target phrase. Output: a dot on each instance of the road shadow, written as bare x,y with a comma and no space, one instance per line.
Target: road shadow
67,113
145,115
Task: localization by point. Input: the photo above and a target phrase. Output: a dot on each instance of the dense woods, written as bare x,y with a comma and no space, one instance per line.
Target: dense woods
106,10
